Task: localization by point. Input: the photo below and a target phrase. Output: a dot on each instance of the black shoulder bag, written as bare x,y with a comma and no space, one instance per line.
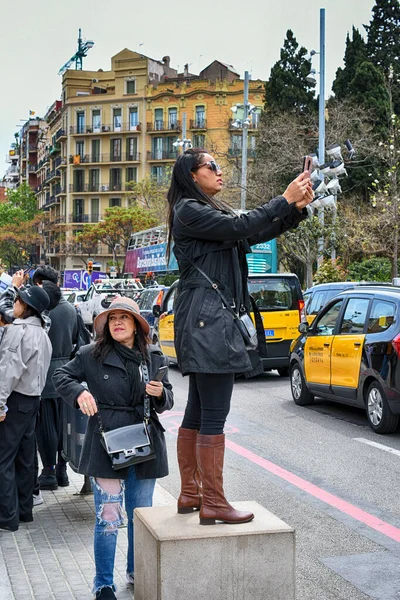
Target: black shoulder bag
242,320
130,445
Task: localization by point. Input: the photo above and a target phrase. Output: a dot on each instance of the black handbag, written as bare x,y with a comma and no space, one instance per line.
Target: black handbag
130,445
242,319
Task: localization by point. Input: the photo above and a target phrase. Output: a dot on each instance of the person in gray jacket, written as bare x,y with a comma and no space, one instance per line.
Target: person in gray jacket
25,354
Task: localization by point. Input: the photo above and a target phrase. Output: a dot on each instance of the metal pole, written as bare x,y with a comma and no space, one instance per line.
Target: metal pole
321,118
244,141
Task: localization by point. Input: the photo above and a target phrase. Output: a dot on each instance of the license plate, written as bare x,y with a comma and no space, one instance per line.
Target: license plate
269,332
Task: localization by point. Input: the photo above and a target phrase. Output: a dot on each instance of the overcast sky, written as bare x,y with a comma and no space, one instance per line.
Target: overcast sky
37,38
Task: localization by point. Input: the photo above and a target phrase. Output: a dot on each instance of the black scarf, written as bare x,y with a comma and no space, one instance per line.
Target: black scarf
132,359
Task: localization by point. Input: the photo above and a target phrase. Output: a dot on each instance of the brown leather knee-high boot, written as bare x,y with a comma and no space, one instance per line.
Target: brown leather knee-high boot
190,498
210,458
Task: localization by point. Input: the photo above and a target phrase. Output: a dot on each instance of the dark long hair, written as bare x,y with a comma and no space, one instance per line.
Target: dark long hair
105,341
184,186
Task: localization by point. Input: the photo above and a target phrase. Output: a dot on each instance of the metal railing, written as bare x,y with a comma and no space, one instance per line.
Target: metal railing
104,128
80,159
162,155
198,124
61,133
164,126
95,187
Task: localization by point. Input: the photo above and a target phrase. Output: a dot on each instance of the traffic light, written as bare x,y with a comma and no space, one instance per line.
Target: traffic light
90,267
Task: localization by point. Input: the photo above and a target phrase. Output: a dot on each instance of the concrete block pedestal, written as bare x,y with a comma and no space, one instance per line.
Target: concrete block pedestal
178,559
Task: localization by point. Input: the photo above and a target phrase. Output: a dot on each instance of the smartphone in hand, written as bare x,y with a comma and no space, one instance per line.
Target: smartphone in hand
307,164
159,376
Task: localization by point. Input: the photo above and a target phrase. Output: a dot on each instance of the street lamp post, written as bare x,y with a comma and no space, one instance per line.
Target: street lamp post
243,191
321,119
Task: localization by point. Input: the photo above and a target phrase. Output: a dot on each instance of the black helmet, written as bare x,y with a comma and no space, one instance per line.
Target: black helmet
36,297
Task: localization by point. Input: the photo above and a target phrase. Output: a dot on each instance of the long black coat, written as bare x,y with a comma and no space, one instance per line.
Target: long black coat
109,384
206,337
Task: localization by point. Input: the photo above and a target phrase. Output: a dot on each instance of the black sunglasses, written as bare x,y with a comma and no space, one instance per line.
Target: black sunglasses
211,164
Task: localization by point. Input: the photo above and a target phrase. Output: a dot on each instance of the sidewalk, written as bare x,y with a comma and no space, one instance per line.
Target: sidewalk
52,558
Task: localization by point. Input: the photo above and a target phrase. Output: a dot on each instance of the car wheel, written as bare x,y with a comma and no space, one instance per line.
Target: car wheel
380,417
301,394
283,371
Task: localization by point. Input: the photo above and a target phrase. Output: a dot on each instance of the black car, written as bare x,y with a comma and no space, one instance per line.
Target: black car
350,354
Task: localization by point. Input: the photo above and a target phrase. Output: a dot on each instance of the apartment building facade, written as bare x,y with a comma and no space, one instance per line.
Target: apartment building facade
111,128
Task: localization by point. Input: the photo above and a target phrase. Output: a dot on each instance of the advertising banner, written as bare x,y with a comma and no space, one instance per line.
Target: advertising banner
79,279
149,258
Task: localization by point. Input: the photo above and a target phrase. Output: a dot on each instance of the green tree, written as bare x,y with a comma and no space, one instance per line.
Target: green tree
384,42
287,88
150,194
330,270
20,205
371,269
355,54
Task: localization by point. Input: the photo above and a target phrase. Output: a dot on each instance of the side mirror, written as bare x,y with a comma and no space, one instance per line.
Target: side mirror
156,310
304,328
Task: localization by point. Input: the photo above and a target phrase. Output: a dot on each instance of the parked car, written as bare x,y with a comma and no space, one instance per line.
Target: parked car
76,297
280,301
99,296
317,296
149,302
350,354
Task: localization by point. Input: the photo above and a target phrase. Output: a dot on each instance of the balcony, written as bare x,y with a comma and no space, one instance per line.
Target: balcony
104,129
236,151
54,148
58,220
95,187
61,135
78,218
62,163
50,175
253,125
60,190
198,124
32,168
163,126
58,161
162,155
87,159
32,148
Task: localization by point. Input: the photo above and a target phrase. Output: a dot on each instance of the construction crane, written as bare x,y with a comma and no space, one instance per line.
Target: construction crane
83,48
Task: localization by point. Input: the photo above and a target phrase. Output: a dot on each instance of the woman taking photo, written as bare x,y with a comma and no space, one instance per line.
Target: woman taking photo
25,353
113,369
209,236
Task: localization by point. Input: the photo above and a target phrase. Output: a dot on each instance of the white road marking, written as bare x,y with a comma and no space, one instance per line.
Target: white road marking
379,446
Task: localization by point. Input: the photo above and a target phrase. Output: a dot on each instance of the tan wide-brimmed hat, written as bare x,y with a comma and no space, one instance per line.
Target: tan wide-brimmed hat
127,305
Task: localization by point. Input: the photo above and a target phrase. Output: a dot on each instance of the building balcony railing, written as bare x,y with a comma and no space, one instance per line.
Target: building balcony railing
32,148
251,152
76,188
78,218
55,148
60,190
50,175
253,125
58,161
198,124
58,220
106,128
63,162
157,126
79,159
61,134
162,155
32,168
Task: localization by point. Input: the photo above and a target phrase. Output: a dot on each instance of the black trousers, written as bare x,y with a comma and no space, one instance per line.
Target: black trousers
209,402
49,431
17,450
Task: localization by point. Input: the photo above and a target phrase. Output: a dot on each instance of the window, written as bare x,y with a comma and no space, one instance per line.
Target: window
80,122
381,316
158,119
325,325
117,119
236,144
131,174
273,294
96,121
157,144
317,302
79,210
199,140
158,174
115,179
80,149
133,118
79,180
94,180
355,315
116,148
255,118
115,202
131,149
94,210
95,151
131,86
172,118
171,150
171,300
200,116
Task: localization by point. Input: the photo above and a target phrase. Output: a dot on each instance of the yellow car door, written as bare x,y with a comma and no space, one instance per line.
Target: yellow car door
166,324
348,346
318,346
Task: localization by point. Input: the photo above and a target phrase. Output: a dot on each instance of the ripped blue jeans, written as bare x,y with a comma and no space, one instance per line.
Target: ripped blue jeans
109,498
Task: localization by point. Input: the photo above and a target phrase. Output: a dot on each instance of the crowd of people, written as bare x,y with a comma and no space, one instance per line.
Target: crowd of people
115,380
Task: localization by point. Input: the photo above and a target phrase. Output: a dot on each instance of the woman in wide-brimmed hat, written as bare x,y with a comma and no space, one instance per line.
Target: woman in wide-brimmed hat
25,354
113,371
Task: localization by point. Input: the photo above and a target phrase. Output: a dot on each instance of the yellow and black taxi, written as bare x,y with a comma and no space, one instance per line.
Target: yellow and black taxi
281,305
351,354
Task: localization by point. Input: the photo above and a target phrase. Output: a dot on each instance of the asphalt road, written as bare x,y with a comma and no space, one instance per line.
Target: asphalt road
315,468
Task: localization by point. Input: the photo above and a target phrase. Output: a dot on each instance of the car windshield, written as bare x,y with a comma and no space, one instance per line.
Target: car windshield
273,294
